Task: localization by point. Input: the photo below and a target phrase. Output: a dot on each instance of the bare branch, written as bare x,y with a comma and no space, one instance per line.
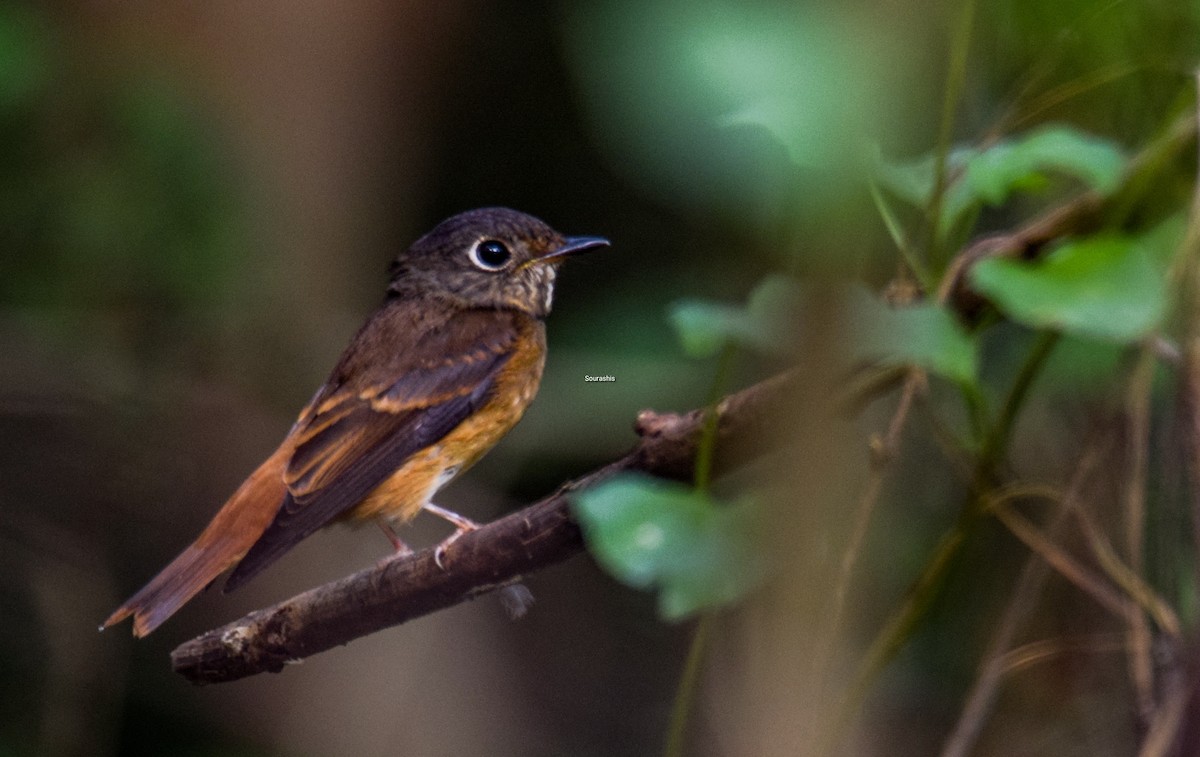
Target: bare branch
481,561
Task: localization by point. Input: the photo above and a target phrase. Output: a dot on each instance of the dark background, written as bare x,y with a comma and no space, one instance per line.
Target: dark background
198,204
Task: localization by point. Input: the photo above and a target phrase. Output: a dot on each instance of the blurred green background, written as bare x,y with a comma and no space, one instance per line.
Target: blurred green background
198,203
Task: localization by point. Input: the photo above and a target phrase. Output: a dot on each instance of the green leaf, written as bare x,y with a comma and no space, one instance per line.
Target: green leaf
913,181
766,324
705,327
926,335
650,533
1025,163
976,177
1107,287
774,308
913,184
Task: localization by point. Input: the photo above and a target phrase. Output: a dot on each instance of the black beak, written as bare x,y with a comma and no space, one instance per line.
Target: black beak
572,246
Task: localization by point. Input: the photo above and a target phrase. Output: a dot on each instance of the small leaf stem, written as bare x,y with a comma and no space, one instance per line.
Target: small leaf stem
689,683
708,434
954,85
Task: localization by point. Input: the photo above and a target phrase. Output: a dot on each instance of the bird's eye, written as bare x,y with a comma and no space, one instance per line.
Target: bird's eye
490,255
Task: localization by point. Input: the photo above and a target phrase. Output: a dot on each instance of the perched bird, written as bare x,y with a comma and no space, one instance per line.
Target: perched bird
437,375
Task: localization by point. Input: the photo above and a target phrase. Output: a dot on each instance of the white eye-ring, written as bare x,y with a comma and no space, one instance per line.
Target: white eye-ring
490,255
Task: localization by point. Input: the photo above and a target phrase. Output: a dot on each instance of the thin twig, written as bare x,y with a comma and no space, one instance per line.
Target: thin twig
883,451
688,683
1141,666
950,101
900,239
708,432
1058,95
1067,566
995,443
996,661
1135,589
1164,729
1134,586
1044,650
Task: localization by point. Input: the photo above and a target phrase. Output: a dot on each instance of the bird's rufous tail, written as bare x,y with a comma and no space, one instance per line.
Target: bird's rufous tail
226,539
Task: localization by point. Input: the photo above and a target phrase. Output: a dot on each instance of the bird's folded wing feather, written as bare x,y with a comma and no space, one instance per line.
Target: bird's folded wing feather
390,396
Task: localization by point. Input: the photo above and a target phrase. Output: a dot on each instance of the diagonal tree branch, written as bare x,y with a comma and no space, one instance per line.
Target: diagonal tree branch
492,557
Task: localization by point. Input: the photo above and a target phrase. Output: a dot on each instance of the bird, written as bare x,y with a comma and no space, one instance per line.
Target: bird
437,375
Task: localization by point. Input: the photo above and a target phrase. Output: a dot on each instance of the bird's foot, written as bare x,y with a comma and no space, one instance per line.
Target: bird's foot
462,525
399,547
439,552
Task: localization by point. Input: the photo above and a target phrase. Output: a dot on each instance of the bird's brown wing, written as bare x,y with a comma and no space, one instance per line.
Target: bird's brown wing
390,397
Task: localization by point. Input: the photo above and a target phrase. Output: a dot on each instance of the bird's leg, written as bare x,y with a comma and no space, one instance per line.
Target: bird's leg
461,526
398,544
516,598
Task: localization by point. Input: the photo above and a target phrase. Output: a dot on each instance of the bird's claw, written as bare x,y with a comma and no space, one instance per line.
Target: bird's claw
439,551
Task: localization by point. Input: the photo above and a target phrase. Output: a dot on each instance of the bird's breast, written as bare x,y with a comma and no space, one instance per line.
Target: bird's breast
402,495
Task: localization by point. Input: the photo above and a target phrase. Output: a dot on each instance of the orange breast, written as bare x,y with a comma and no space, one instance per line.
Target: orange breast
405,492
